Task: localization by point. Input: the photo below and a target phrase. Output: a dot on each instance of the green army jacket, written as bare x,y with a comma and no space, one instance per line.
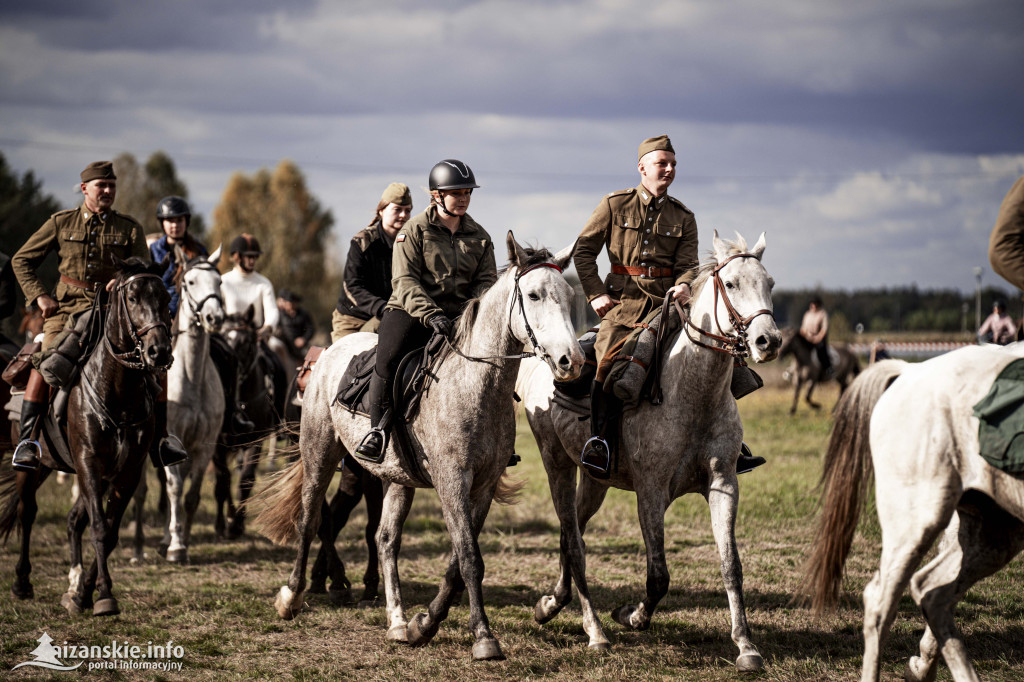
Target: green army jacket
84,243
1006,244
434,271
639,231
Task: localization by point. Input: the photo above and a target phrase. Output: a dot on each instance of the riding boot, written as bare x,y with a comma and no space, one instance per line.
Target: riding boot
165,450
374,443
35,404
605,410
747,461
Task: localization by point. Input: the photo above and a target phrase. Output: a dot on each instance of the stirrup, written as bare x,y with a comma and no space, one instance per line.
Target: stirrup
30,462
364,451
514,460
596,456
747,460
170,454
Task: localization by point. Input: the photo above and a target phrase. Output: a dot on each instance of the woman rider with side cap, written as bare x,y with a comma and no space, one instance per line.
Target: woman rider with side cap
442,259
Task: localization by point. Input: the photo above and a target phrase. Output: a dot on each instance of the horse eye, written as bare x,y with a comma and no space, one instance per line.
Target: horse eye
730,285
533,296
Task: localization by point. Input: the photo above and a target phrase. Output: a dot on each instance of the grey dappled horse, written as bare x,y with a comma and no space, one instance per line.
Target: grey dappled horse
195,397
463,437
845,366
689,443
929,476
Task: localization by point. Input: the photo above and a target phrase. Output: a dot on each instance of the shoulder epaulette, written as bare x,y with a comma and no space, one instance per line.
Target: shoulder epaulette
127,217
629,190
365,237
679,204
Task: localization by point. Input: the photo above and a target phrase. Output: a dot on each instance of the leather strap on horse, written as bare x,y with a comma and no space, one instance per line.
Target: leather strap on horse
656,395
88,286
635,271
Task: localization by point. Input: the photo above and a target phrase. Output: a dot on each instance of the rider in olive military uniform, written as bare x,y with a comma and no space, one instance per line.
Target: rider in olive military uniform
84,239
651,240
442,259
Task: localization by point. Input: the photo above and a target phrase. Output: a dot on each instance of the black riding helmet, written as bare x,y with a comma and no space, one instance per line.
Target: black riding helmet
245,244
451,174
173,207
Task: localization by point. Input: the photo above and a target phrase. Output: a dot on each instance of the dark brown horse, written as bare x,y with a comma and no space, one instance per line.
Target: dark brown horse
806,368
261,406
109,429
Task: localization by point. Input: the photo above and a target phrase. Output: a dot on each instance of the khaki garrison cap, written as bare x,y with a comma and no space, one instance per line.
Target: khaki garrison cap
653,144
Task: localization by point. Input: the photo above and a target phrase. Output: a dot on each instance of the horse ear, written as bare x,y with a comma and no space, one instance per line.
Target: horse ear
758,249
516,253
720,248
118,263
179,255
215,256
564,257
250,313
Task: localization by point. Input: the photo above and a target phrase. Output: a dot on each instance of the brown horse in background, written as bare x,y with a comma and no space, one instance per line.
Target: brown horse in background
806,369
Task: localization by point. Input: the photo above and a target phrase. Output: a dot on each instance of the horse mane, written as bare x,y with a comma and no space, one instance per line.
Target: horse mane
708,266
534,256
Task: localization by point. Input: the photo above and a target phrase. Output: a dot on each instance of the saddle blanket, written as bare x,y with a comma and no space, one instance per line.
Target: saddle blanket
1001,417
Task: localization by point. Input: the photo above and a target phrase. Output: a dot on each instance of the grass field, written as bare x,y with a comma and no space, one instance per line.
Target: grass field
219,609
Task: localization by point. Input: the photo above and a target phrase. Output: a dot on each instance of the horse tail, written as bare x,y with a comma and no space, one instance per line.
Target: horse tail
508,489
281,503
9,499
844,481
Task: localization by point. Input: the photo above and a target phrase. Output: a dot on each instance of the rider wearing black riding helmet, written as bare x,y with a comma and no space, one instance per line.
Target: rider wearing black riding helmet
175,216
442,259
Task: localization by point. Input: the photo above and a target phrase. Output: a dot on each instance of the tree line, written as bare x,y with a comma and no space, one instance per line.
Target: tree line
294,229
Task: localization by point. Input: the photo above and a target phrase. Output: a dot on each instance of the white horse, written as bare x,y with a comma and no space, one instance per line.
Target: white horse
463,437
915,425
689,443
195,397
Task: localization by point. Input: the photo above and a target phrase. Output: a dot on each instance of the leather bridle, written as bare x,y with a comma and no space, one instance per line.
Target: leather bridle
735,343
193,306
133,359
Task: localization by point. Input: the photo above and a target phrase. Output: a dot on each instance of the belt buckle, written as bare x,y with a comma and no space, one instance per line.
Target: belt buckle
648,272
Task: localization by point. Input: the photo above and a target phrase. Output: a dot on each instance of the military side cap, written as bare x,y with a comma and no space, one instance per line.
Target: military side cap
397,193
99,170
653,144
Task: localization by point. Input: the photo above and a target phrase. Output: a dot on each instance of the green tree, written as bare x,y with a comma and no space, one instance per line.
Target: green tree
141,187
23,210
292,228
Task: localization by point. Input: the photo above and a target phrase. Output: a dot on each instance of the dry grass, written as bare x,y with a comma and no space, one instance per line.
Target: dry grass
220,608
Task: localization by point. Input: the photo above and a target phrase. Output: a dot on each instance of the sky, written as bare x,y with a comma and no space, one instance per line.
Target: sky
872,141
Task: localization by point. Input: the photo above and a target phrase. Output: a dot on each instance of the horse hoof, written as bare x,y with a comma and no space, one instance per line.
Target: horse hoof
750,663
283,604
317,587
543,611
487,649
341,596
622,616
918,671
419,631
106,607
178,556
69,604
398,634
599,648
23,590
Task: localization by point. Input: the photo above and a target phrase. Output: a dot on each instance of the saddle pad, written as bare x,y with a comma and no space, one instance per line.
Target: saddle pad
411,377
352,388
1001,417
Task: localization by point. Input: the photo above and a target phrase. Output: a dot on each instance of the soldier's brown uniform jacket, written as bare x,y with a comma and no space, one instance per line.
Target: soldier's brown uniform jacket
1006,245
84,242
638,230
434,271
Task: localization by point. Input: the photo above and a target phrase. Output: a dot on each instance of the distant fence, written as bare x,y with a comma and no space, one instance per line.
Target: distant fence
917,349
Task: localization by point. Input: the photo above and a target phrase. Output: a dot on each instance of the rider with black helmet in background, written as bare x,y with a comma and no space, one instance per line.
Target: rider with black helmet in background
442,259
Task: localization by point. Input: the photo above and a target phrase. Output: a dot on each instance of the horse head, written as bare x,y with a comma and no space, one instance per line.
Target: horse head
736,310
240,333
539,310
138,327
199,291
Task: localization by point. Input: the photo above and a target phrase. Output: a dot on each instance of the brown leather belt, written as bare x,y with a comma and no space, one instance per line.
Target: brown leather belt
641,272
88,286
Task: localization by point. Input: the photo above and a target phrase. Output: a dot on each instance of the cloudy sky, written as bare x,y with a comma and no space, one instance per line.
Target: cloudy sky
872,140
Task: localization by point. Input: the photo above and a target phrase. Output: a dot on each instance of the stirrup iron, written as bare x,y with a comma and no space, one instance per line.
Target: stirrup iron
27,464
596,456
360,452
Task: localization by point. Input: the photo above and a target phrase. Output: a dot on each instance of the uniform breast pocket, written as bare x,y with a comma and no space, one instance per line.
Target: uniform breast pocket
119,244
666,237
624,234
77,237
436,258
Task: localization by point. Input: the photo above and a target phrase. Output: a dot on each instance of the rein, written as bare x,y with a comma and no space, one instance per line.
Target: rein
538,350
128,358
734,344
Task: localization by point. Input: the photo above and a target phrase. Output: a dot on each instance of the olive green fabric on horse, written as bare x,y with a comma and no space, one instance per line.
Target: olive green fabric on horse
1001,415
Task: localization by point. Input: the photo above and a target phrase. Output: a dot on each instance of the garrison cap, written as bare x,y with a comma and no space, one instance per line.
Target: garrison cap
653,144
397,193
98,170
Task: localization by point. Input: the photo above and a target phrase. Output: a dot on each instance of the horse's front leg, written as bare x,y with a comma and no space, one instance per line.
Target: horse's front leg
139,536
222,487
723,500
651,504
173,546
373,491
397,502
26,483
106,533
76,599
810,391
246,481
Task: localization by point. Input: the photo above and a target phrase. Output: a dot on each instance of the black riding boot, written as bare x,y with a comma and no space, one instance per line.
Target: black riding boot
26,455
372,447
164,451
605,411
747,461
